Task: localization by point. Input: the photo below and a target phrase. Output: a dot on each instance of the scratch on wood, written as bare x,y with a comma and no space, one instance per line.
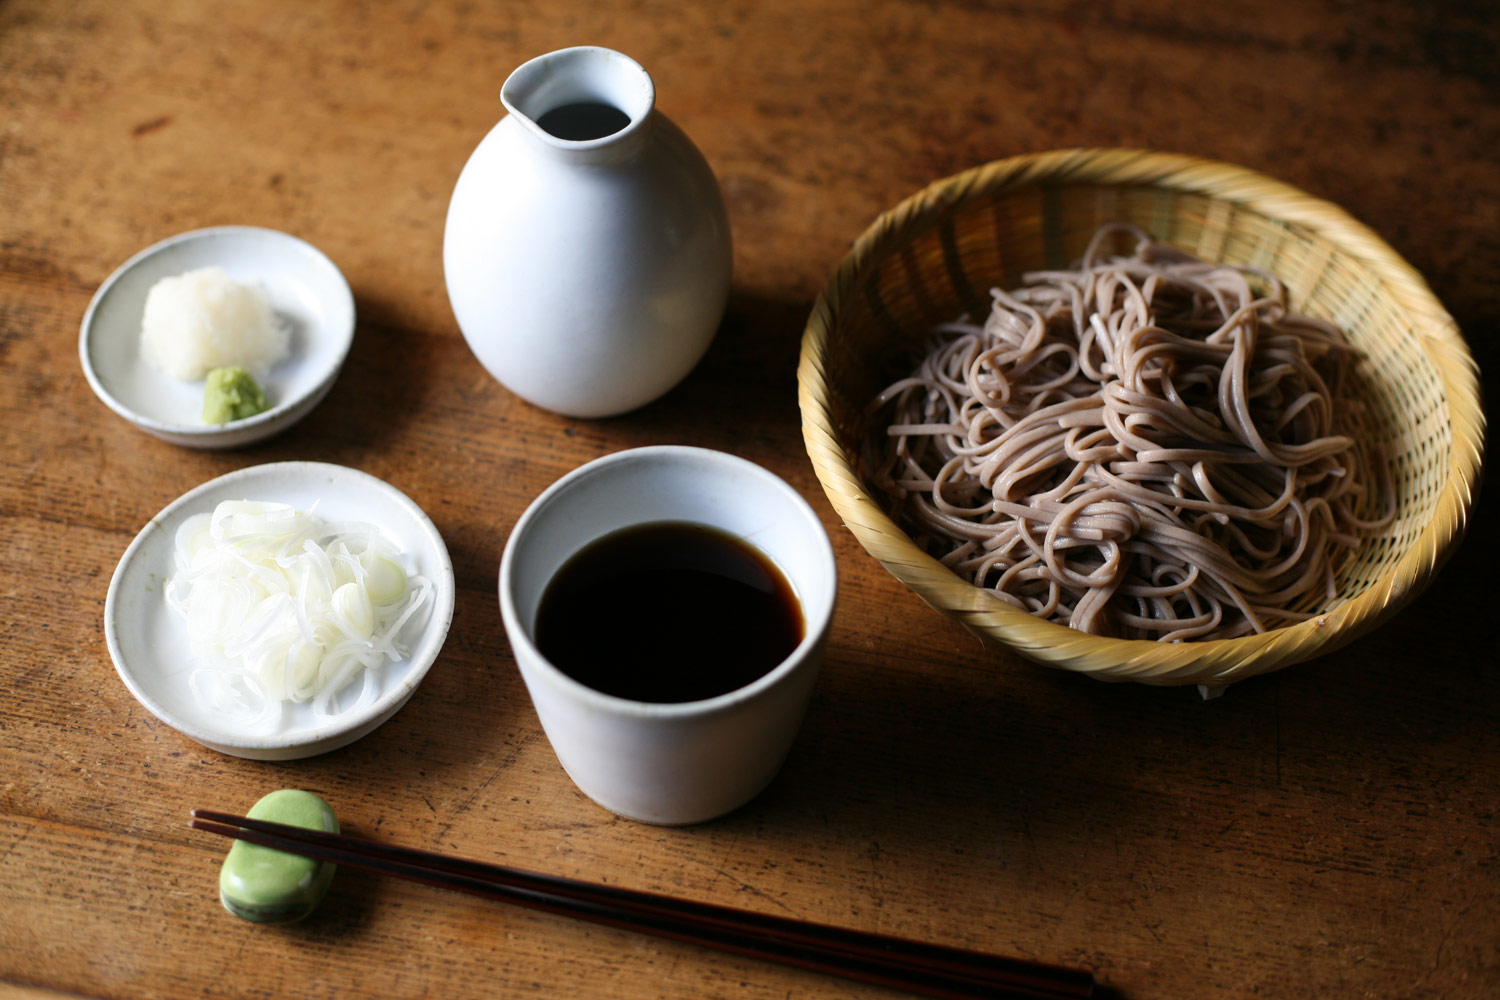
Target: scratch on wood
747,887
1150,928
10,848
146,127
464,806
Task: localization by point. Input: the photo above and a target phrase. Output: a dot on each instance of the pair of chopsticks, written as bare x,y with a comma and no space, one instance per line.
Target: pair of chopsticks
917,967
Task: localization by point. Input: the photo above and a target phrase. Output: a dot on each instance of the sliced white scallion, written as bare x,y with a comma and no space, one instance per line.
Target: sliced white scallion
282,607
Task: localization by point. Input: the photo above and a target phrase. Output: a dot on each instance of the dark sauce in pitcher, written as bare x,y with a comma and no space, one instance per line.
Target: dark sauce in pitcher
668,612
583,121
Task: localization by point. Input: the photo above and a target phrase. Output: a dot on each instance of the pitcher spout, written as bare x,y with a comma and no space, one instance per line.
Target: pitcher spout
582,101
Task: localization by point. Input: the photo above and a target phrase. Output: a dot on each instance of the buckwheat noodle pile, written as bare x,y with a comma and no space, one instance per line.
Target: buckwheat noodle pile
1146,446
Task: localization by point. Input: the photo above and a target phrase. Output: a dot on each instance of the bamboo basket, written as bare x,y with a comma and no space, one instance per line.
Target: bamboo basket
937,254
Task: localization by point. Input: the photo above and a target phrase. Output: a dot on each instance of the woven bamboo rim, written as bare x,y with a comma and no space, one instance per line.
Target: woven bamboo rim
928,255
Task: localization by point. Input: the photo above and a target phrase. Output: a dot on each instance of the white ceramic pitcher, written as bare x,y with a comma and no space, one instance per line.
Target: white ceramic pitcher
587,250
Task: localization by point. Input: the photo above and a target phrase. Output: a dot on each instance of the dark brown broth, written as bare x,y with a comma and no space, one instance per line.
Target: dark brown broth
583,121
668,612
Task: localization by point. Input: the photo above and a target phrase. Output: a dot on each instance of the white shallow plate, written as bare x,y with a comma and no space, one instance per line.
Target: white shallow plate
148,642
306,290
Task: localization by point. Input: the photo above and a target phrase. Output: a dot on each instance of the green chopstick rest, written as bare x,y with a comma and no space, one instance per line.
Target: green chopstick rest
270,886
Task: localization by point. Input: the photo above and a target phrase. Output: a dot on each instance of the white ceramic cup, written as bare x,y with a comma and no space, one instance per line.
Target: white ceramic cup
682,762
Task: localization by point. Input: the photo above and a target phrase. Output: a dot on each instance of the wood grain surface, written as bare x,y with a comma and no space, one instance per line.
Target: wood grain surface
1329,831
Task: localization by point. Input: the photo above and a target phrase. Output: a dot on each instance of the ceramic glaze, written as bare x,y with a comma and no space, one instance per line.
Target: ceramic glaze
683,762
268,886
153,655
587,275
307,292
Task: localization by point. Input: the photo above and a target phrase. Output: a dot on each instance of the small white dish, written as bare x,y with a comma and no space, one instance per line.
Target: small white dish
149,644
307,292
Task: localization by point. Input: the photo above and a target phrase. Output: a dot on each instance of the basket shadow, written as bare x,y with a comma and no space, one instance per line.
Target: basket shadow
1011,764
955,764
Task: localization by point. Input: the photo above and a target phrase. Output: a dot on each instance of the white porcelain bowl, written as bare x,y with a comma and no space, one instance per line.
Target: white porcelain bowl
307,291
149,644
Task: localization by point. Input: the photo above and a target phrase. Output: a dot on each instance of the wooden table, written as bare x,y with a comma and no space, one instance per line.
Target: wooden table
1328,831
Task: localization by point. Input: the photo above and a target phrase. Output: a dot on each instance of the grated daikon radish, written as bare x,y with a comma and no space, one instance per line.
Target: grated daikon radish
204,319
284,608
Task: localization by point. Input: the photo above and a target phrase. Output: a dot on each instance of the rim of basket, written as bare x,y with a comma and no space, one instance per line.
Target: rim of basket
1217,661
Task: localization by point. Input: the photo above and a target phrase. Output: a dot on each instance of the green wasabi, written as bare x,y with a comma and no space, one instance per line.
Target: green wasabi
230,393
269,886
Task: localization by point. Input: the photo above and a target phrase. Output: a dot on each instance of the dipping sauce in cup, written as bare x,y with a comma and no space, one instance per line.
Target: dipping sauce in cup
668,609
674,590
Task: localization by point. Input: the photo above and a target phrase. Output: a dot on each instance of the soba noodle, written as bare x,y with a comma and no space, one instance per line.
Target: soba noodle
1146,446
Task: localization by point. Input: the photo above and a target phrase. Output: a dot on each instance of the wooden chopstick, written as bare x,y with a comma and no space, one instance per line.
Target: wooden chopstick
917,967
